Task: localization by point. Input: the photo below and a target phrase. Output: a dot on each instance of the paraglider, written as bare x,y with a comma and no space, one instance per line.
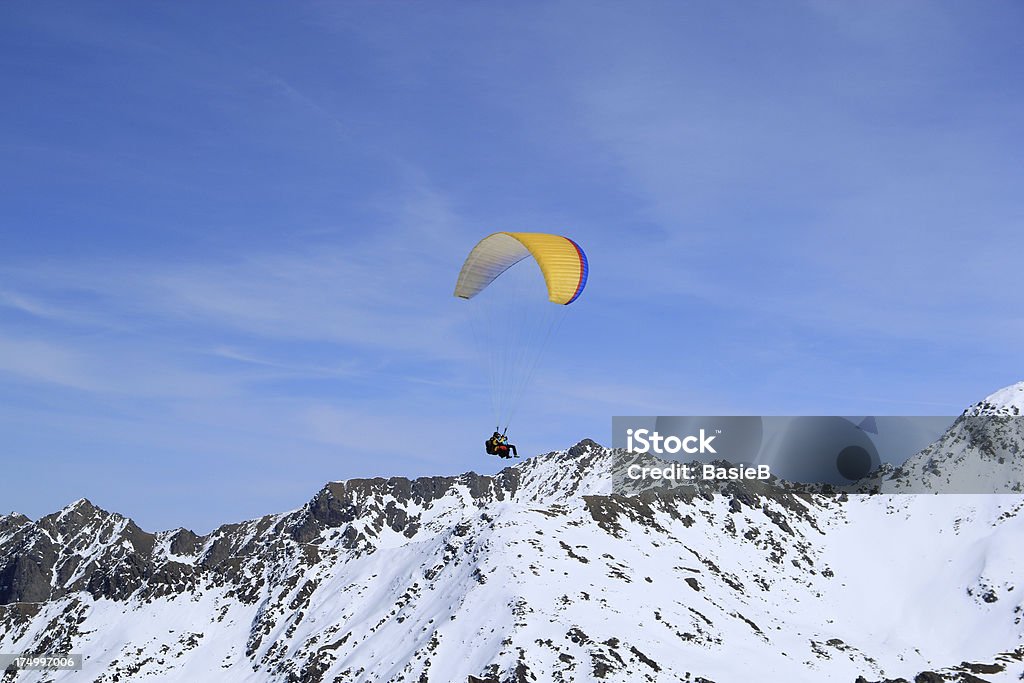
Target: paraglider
498,445
512,319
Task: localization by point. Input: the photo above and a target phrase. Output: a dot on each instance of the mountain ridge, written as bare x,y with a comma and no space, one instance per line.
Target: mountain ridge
538,572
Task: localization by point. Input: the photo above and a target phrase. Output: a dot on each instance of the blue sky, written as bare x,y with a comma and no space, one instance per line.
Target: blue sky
229,233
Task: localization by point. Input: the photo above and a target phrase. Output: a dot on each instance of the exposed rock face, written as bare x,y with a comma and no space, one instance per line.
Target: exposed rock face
536,573
1008,401
982,452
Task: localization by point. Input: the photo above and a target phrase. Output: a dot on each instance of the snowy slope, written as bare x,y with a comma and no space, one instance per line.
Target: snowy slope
535,574
982,452
1007,401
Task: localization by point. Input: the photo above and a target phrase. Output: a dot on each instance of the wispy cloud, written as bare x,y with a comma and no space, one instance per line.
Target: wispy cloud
40,361
390,291
790,199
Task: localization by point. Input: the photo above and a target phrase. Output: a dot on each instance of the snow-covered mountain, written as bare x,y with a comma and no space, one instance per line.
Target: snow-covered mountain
982,452
1007,401
538,573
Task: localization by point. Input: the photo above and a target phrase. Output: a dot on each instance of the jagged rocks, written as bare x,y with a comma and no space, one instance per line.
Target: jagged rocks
537,573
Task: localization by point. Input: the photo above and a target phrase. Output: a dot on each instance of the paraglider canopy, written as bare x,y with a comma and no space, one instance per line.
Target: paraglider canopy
512,319
561,260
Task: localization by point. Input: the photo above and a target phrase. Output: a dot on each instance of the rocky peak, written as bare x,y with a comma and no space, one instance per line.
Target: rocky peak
74,518
1007,401
585,446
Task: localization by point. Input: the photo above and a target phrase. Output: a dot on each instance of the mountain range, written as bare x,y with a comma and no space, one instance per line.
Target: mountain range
542,573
